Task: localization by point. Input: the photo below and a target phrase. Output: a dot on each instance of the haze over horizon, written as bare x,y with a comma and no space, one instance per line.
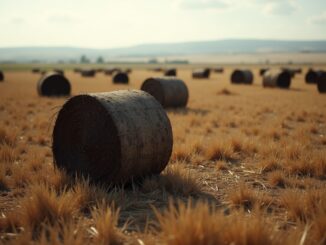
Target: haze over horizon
112,24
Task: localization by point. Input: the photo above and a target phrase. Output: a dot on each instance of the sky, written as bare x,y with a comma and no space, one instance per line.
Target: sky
123,23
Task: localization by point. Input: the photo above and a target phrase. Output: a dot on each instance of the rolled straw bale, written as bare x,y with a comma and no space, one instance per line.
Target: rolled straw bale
36,70
172,72
312,76
53,84
120,77
242,77
170,92
201,73
60,71
321,82
112,137
77,70
88,73
218,70
262,71
2,76
290,71
277,78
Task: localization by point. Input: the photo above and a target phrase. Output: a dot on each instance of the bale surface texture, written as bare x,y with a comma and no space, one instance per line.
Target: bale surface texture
242,77
53,84
169,92
321,82
120,77
112,137
277,78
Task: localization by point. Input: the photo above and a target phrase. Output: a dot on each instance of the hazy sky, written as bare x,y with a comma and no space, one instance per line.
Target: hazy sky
110,23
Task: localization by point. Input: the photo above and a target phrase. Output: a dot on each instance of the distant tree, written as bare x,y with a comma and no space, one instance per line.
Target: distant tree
84,59
100,60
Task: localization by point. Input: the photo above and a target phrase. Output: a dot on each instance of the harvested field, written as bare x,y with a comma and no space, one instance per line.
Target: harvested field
248,166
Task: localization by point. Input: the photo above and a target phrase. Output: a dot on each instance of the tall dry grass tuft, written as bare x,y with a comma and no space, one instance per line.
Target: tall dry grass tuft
105,229
187,224
219,151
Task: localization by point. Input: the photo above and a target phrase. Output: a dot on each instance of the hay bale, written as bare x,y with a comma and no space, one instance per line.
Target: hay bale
170,92
157,69
218,70
321,82
262,71
170,72
242,77
112,137
36,70
111,71
276,78
77,70
120,77
53,84
128,70
88,73
201,73
2,76
60,71
312,76
290,71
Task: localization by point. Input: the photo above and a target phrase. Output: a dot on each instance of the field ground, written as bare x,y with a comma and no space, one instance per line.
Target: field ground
248,167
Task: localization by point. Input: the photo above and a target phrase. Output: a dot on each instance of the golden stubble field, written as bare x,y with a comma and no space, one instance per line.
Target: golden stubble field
248,167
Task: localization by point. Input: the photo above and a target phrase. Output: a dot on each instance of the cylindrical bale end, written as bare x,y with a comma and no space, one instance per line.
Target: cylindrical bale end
2,76
53,84
170,72
311,76
321,82
88,73
112,137
201,73
120,77
277,78
242,77
169,92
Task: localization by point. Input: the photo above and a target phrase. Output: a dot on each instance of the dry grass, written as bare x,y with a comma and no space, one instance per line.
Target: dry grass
248,167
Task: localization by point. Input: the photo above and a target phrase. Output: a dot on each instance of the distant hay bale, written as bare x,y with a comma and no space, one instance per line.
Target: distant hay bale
53,84
172,72
2,76
262,71
312,76
88,73
218,70
36,70
291,72
128,70
201,73
120,77
60,71
170,92
77,70
157,69
277,78
242,77
321,82
112,137
111,71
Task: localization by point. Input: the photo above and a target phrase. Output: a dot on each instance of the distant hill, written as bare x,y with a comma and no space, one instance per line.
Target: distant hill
161,49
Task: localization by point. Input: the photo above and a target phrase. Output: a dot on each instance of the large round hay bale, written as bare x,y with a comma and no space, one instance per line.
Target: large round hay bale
2,76
53,84
312,76
201,73
36,70
170,92
262,71
218,70
60,71
120,77
242,77
321,82
88,73
172,72
276,78
112,137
